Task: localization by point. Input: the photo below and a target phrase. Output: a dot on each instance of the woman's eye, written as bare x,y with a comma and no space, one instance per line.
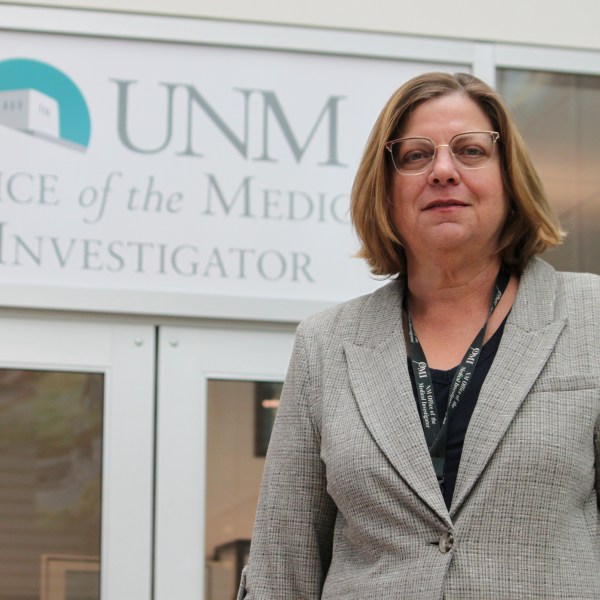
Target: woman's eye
415,156
471,151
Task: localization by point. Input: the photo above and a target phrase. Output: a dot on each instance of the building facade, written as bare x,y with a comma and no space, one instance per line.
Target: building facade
154,262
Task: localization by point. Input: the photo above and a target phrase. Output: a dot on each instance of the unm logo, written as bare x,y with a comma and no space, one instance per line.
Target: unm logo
39,100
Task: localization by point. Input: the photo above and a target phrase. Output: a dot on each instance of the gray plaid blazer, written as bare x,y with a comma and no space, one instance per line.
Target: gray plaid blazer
350,507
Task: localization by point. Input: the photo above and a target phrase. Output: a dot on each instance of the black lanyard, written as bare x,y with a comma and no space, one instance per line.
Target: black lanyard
435,434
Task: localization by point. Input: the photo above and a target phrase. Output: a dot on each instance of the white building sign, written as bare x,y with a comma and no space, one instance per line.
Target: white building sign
132,167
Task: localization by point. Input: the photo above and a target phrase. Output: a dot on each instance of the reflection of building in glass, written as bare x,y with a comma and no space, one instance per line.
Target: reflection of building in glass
30,111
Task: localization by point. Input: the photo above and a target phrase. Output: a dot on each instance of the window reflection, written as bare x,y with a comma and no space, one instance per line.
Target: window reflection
240,416
558,117
50,480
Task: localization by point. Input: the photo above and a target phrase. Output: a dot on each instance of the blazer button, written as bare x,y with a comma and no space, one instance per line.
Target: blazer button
446,542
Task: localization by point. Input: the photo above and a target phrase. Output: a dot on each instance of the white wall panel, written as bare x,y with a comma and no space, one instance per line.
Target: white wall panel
514,21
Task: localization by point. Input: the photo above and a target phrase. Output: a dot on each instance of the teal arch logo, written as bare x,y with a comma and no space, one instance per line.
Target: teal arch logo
38,99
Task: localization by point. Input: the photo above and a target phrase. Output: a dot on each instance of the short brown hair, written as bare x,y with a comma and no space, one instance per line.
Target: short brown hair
531,226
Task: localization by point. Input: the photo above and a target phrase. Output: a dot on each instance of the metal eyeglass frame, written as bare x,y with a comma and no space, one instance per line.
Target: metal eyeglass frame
388,146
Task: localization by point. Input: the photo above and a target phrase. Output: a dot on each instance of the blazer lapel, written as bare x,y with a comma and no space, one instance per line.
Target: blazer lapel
529,337
377,365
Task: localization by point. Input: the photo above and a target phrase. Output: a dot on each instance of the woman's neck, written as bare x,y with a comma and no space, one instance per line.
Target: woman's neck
447,284
449,304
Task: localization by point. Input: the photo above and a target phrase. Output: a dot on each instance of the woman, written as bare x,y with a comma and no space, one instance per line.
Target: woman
440,438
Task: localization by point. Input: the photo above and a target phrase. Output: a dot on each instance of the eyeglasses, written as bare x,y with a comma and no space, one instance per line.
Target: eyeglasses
469,150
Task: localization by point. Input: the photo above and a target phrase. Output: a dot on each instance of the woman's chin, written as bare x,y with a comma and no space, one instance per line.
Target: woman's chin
452,237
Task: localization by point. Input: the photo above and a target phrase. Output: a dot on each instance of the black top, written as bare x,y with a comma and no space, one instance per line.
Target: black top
457,427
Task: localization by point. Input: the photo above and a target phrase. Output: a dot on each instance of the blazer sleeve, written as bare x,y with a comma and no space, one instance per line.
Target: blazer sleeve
293,532
597,458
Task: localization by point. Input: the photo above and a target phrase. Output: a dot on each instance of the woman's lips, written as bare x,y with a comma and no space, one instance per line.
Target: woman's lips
437,204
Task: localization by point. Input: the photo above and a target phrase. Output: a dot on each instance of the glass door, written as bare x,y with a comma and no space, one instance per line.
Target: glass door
76,451
218,391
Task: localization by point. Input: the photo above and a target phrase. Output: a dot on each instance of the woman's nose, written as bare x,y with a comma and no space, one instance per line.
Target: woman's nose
444,168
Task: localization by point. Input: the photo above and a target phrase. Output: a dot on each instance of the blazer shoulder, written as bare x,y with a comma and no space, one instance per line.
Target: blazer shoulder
347,320
578,289
579,298
557,294
580,285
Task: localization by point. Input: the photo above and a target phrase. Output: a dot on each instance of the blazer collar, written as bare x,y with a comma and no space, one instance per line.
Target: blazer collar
377,364
530,335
